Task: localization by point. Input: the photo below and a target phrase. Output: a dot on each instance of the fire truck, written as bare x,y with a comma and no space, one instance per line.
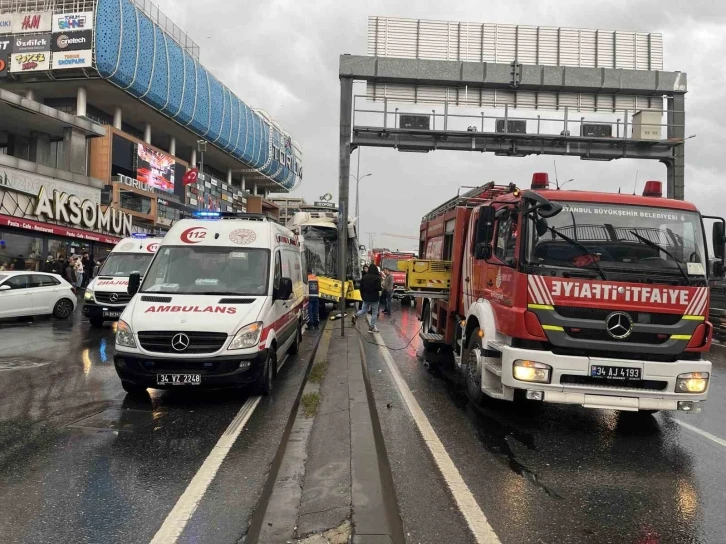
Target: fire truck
571,297
385,258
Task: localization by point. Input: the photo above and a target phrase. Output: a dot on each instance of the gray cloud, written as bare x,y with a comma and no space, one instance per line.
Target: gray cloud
282,56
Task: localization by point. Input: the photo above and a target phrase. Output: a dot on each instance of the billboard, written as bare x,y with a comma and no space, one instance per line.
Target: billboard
155,168
72,41
72,59
38,21
4,64
68,22
30,62
31,44
6,23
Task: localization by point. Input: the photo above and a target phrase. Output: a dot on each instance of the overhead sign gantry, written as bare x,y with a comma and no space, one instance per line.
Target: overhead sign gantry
568,71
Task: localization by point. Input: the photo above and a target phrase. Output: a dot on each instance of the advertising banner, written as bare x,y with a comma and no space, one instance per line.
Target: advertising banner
4,64
6,23
35,21
72,41
72,59
155,168
31,44
30,183
30,62
68,22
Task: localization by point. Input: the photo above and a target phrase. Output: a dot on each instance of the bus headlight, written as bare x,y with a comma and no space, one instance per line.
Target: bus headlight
693,382
531,371
247,337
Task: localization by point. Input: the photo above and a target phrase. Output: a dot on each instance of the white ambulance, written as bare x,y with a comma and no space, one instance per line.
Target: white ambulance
107,294
221,305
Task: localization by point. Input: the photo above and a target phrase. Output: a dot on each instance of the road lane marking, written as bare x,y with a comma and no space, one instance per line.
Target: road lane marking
184,508
712,437
475,518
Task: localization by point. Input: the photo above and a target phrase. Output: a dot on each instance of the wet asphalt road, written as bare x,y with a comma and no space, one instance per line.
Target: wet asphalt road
551,474
82,462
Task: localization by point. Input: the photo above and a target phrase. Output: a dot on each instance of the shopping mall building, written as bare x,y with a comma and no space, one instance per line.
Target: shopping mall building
104,107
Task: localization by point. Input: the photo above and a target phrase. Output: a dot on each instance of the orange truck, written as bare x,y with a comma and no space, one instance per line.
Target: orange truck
573,297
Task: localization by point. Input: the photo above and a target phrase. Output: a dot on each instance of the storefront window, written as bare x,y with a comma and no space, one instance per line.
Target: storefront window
20,252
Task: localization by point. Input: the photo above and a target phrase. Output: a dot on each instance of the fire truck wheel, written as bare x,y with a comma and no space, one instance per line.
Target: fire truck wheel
473,371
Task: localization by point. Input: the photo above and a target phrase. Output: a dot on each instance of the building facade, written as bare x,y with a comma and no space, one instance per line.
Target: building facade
104,108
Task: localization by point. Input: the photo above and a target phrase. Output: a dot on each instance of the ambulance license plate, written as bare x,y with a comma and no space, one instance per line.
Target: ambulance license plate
111,315
621,373
178,379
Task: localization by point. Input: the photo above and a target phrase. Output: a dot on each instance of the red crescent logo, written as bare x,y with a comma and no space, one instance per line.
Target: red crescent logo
193,235
152,248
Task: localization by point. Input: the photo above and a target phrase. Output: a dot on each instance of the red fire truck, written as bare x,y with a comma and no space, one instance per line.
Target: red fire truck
384,258
570,297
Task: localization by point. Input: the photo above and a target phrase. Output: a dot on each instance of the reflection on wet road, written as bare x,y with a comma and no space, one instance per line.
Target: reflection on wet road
82,462
556,474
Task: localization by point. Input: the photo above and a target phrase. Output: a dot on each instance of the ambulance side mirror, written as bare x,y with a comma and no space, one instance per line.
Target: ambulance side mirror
284,289
134,283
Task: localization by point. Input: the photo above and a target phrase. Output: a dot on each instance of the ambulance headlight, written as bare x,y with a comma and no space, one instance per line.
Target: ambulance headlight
88,295
247,337
692,382
124,335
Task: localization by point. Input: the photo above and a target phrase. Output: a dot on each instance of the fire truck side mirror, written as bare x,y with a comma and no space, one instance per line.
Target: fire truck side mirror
483,251
719,240
542,226
485,226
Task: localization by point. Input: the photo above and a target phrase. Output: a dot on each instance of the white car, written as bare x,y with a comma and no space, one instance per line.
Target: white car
24,293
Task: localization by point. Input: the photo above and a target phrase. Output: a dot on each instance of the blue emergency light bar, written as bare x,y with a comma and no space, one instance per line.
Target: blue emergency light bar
206,215
138,235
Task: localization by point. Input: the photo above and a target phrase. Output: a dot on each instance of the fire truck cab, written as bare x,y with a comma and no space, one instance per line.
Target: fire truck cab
390,259
571,297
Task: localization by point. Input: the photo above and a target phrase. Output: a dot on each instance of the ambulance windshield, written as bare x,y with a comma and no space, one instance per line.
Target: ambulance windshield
125,264
614,234
204,270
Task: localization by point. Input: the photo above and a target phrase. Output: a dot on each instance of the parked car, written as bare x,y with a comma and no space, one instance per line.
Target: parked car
24,293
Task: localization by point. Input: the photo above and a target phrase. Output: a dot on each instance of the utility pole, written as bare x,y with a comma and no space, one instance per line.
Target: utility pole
346,104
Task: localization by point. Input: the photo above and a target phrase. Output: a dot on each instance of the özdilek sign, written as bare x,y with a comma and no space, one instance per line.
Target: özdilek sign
65,208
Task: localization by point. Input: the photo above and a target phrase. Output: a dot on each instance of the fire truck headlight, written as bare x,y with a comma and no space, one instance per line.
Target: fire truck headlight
693,382
531,371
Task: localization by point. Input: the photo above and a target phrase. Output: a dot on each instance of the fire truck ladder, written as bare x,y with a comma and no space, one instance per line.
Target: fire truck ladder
471,198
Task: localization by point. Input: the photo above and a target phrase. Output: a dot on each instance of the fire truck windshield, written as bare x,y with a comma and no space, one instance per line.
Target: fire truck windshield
613,234
390,263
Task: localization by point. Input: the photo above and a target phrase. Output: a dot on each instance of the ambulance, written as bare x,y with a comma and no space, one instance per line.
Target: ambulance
106,295
220,306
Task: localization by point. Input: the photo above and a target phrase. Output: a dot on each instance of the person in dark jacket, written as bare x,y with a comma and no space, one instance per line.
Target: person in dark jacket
370,290
69,272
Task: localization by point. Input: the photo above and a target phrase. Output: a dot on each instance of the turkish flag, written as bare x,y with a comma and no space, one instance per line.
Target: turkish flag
190,177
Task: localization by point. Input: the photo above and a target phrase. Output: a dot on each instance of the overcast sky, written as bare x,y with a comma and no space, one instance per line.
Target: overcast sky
282,56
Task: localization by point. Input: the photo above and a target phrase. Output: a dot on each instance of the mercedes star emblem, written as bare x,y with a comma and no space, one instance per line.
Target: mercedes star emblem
180,342
619,325
113,297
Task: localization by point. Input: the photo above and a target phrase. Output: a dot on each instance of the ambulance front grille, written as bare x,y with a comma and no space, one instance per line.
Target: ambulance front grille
198,342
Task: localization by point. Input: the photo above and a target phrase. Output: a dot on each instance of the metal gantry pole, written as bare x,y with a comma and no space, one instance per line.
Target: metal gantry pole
346,104
676,119
357,195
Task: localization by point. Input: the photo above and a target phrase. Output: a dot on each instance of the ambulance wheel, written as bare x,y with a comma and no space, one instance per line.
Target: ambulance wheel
263,385
295,346
96,322
473,371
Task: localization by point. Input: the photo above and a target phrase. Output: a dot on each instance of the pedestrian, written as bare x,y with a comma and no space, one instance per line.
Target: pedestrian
3,267
78,266
97,268
19,263
88,265
313,302
69,272
370,289
387,294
